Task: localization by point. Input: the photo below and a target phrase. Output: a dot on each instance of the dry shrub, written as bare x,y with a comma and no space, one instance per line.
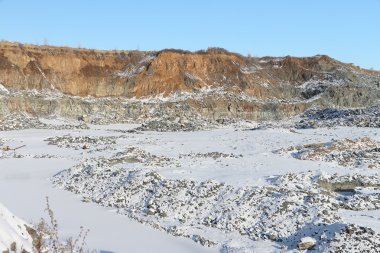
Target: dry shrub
46,238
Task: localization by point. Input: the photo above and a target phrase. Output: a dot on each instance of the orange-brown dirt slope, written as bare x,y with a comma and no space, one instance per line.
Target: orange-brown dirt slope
83,72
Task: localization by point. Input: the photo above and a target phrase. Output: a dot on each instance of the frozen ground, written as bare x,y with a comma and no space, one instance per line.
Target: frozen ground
24,184
241,159
13,231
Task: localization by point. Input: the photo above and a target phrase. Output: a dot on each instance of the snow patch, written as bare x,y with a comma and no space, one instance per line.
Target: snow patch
3,90
13,230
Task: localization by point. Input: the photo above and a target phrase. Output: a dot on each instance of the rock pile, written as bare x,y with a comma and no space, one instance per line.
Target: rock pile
331,117
23,121
348,182
354,238
18,122
11,154
81,142
355,192
176,125
293,207
214,155
346,152
137,155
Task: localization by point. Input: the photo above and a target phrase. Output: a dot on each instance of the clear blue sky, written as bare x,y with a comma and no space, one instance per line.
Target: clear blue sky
348,30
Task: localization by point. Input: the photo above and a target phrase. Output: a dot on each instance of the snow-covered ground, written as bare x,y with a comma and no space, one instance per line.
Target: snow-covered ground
258,161
13,231
236,157
24,184
367,218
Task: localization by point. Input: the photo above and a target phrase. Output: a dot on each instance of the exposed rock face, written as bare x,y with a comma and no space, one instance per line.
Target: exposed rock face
249,87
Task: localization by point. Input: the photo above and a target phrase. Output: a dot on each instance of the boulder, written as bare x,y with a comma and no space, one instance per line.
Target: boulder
307,243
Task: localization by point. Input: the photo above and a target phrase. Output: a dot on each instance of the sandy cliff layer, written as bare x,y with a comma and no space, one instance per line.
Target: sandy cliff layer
85,72
252,86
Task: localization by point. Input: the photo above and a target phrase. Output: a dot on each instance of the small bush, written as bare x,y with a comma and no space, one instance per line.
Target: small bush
46,238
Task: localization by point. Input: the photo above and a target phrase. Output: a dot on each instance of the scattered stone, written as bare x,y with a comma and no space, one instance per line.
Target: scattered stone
214,155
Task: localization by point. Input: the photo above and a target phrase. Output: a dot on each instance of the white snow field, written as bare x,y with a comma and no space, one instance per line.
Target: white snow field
24,184
238,158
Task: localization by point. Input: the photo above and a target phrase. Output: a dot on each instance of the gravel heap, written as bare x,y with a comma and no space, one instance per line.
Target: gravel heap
331,117
355,192
136,155
293,207
21,121
81,142
354,238
214,155
346,152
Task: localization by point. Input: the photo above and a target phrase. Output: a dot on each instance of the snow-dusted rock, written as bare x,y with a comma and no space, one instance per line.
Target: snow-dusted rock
346,152
330,117
282,212
307,243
